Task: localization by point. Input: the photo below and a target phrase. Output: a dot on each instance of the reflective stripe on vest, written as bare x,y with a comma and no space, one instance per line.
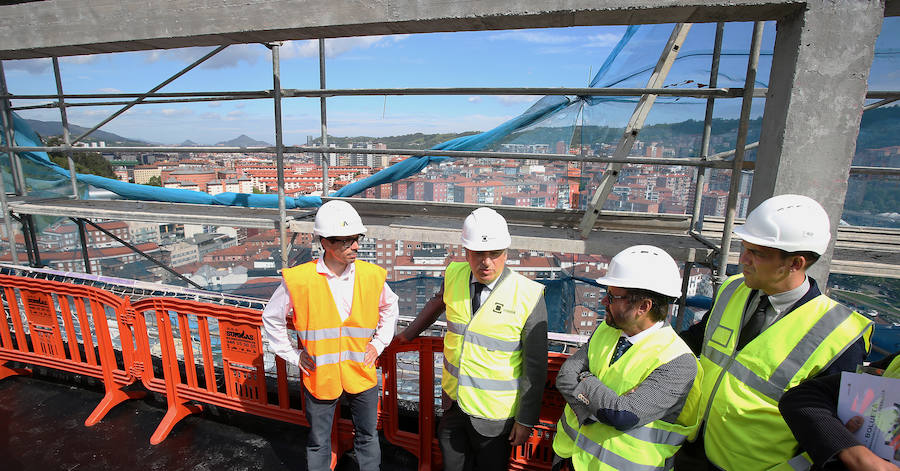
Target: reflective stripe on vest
609,457
337,347
566,433
483,354
741,389
650,446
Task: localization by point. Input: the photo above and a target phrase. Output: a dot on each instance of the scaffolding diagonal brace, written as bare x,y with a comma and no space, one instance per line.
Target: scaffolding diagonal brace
657,79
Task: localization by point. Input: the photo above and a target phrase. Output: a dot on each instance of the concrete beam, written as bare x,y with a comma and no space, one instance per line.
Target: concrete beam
892,8
817,89
72,27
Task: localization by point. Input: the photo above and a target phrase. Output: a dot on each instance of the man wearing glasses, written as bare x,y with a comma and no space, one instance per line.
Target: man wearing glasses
495,349
345,315
633,392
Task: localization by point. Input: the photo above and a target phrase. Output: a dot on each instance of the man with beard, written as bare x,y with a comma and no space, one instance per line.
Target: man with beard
632,392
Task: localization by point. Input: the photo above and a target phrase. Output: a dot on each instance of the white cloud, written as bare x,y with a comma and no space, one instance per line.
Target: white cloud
91,113
235,115
214,104
109,90
86,59
517,99
539,37
231,56
603,40
176,112
234,55
337,46
32,66
474,99
210,116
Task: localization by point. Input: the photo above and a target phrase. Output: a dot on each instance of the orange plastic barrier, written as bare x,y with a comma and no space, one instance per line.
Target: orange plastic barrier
535,454
71,327
230,376
49,336
423,443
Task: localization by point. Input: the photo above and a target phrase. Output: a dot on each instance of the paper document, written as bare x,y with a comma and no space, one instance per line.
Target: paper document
877,400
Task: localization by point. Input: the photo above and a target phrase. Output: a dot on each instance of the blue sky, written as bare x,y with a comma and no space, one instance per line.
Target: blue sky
566,57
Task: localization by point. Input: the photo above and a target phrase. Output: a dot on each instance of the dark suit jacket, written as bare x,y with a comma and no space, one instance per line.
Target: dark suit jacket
810,410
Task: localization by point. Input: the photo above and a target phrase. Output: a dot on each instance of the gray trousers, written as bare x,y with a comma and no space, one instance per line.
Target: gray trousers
363,411
464,449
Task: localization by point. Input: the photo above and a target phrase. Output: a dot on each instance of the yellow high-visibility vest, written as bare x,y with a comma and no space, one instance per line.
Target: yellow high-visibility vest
893,370
339,348
483,354
599,446
744,430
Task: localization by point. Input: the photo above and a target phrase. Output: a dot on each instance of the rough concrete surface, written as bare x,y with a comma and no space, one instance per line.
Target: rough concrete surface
42,428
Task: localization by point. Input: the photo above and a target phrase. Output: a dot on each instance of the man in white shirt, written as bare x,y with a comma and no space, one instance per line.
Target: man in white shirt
345,315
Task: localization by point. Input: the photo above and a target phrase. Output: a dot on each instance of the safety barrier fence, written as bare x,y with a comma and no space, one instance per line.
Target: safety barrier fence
199,354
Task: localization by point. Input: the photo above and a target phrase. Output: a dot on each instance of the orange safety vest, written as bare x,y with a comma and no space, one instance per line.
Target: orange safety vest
339,348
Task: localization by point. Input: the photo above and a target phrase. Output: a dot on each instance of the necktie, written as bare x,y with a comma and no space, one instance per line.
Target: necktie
755,323
621,346
476,297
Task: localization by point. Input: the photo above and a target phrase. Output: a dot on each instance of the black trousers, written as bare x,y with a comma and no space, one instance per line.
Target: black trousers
465,449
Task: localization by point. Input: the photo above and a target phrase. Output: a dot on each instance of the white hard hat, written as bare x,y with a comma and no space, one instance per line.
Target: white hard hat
644,267
336,219
793,223
485,229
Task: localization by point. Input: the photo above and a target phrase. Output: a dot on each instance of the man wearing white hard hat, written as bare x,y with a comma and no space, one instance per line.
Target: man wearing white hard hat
344,314
495,349
633,392
769,329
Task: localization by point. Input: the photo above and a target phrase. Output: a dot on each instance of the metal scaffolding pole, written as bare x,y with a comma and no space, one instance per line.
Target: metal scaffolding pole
881,103
707,127
724,92
65,127
279,156
145,95
402,91
746,104
15,165
696,223
82,236
7,220
323,107
657,78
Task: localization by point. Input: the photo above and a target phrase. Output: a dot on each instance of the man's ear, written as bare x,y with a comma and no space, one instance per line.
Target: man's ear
645,305
797,262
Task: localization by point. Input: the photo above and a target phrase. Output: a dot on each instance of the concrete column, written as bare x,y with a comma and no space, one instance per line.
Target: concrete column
817,89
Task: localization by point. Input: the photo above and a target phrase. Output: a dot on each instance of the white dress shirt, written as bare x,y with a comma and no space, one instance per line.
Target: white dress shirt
638,336
485,292
279,307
